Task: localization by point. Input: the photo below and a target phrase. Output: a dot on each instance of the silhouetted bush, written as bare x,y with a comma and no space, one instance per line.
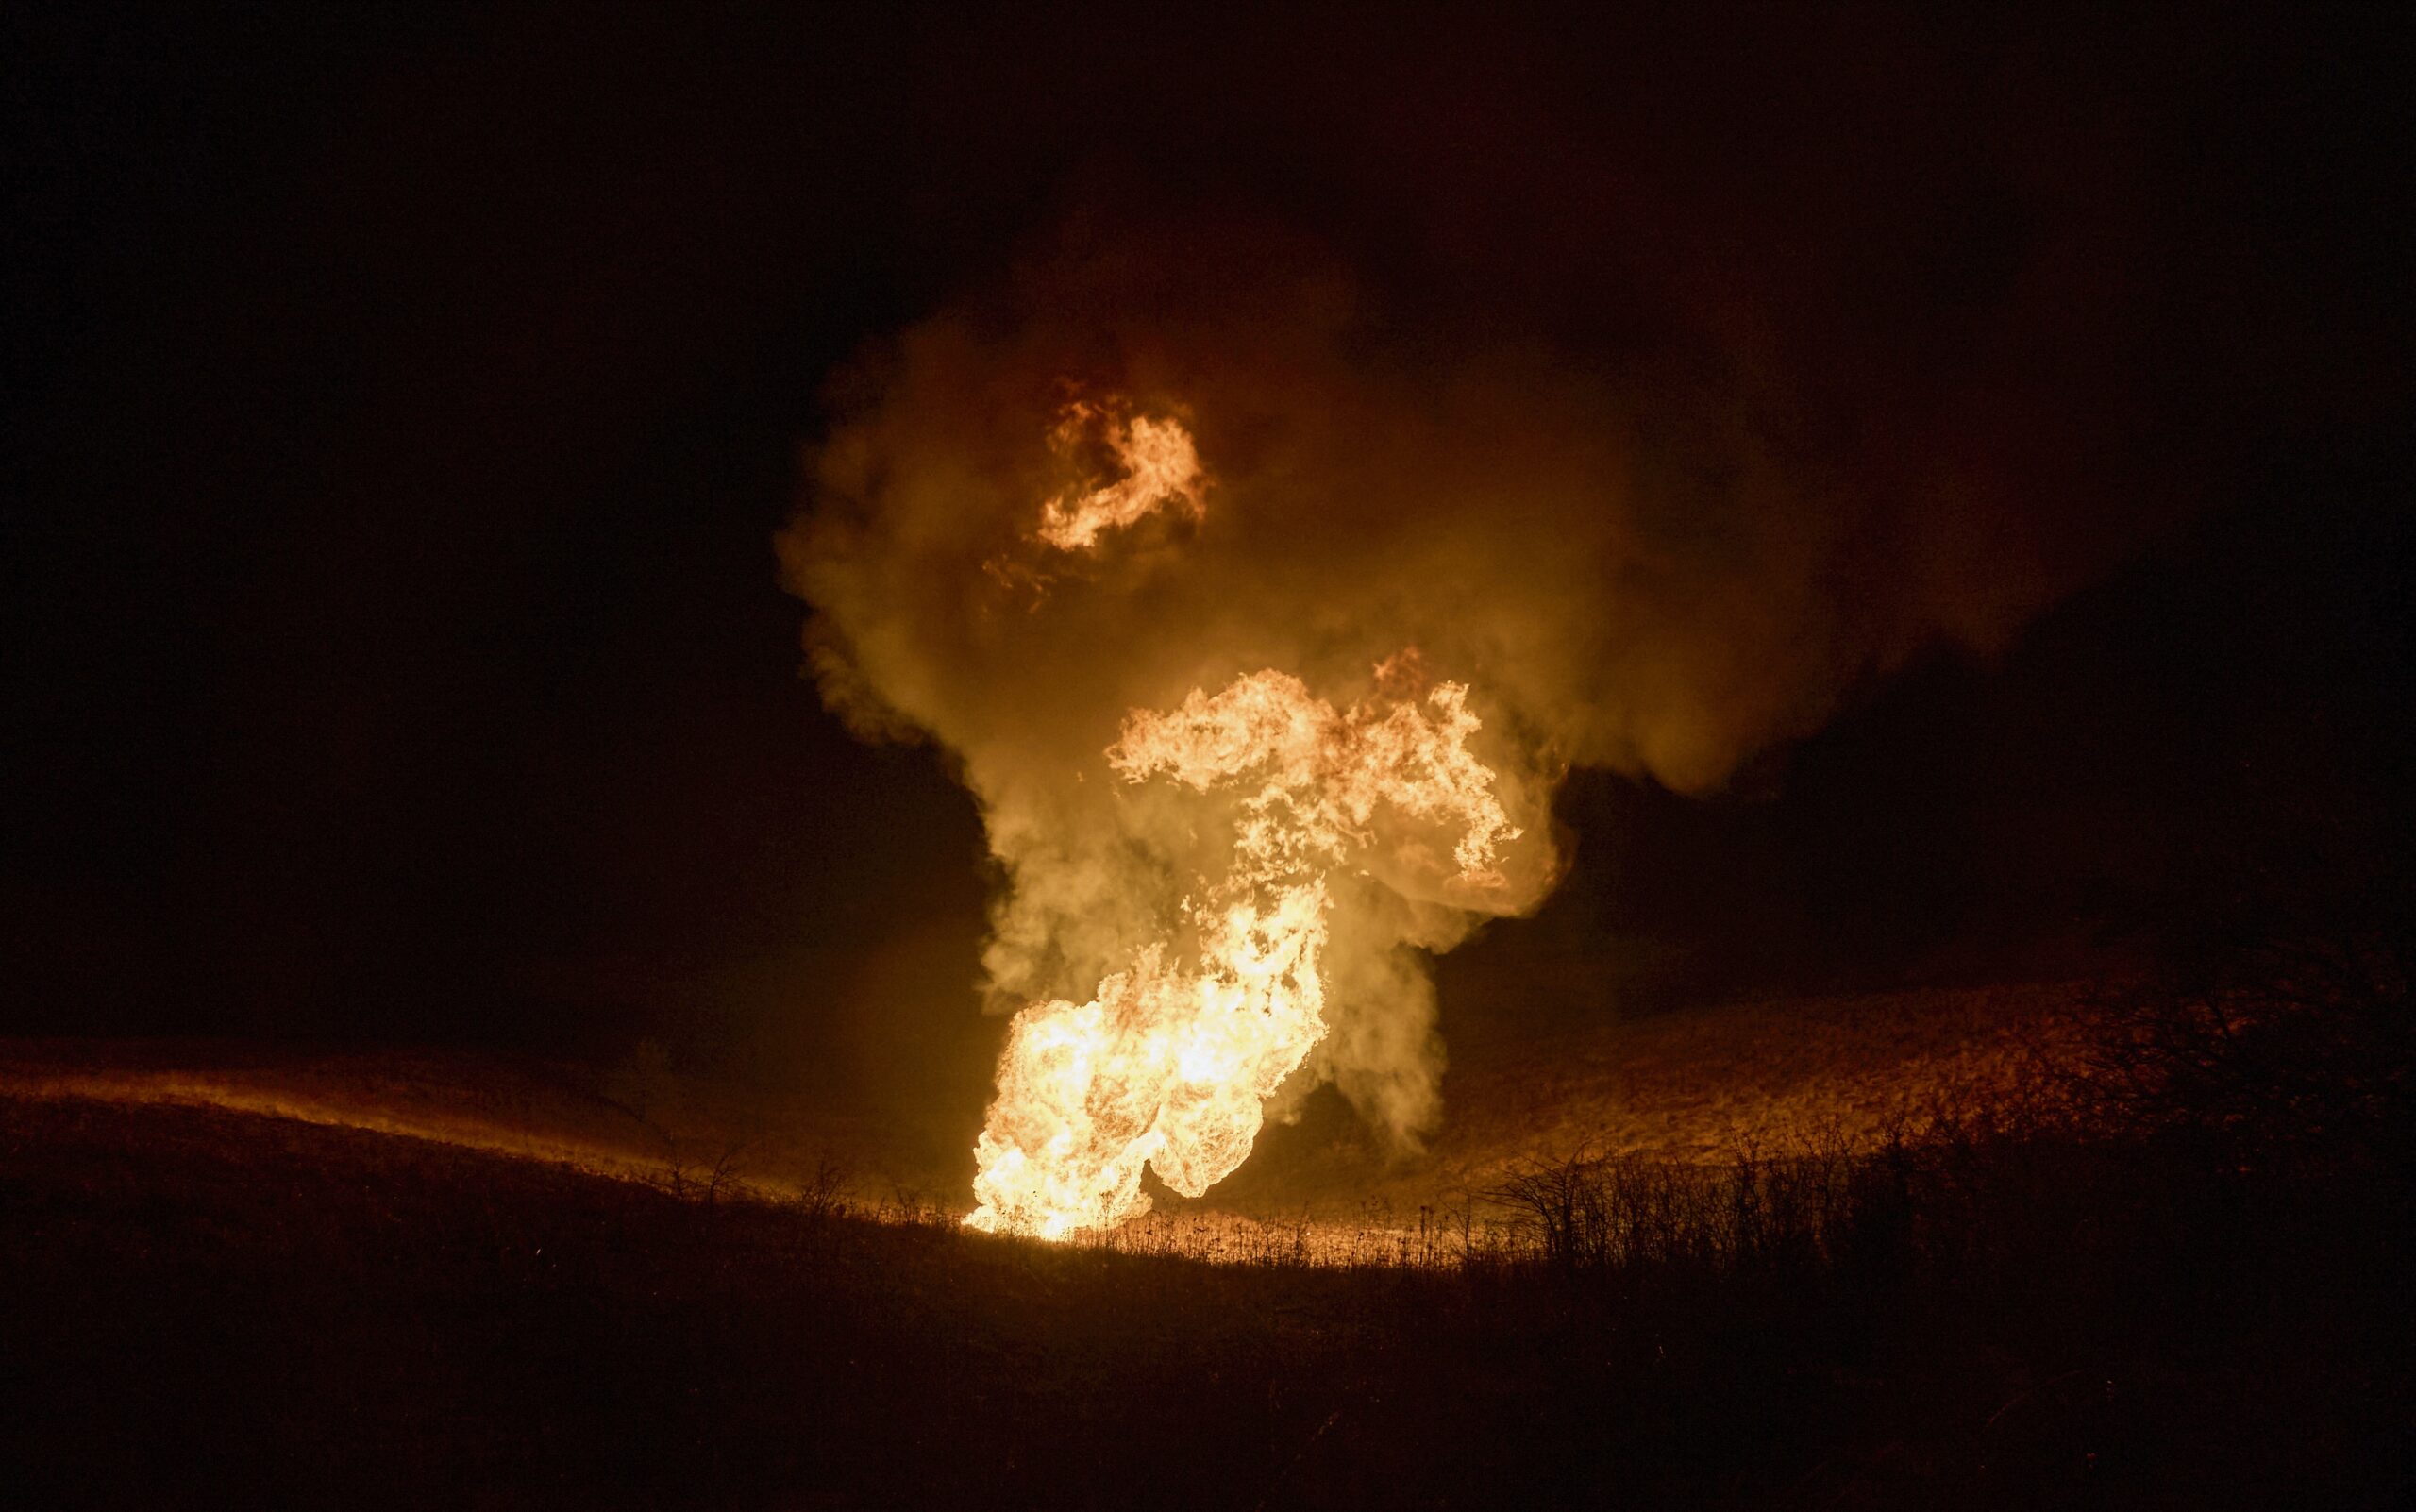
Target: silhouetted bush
2273,1025
2290,1049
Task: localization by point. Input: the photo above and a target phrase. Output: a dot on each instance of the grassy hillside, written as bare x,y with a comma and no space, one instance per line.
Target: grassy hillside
639,1121
1686,1087
210,1307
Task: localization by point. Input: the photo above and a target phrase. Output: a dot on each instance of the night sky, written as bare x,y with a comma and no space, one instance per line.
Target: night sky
401,405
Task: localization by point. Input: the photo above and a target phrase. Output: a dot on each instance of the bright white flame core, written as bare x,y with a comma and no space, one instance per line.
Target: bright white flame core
1170,1065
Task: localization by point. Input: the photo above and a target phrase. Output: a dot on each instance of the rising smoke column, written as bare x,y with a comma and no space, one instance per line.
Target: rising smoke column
1171,1060
1115,502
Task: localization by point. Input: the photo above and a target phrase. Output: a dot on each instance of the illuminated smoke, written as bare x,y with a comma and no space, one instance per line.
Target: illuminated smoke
1258,633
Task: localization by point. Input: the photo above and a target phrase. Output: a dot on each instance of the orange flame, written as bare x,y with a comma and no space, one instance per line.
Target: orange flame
1170,1065
1161,470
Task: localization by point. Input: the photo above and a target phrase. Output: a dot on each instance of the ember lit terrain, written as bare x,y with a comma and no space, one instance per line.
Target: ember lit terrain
904,756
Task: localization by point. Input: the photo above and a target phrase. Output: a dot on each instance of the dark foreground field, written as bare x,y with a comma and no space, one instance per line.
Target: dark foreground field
212,1308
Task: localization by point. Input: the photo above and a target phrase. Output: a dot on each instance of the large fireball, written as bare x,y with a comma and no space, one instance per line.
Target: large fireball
1170,1065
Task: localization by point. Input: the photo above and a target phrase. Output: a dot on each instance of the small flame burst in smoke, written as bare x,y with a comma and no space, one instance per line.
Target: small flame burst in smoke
1161,469
1170,1065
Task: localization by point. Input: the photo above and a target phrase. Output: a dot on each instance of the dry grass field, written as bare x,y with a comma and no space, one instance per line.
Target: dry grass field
1809,1253
211,1307
1839,1071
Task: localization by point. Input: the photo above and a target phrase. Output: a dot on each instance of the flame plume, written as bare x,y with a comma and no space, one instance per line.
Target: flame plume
1170,1065
1659,560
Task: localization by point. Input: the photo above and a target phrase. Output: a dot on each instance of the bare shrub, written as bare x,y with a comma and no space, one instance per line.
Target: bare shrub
1585,1213
2283,1046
